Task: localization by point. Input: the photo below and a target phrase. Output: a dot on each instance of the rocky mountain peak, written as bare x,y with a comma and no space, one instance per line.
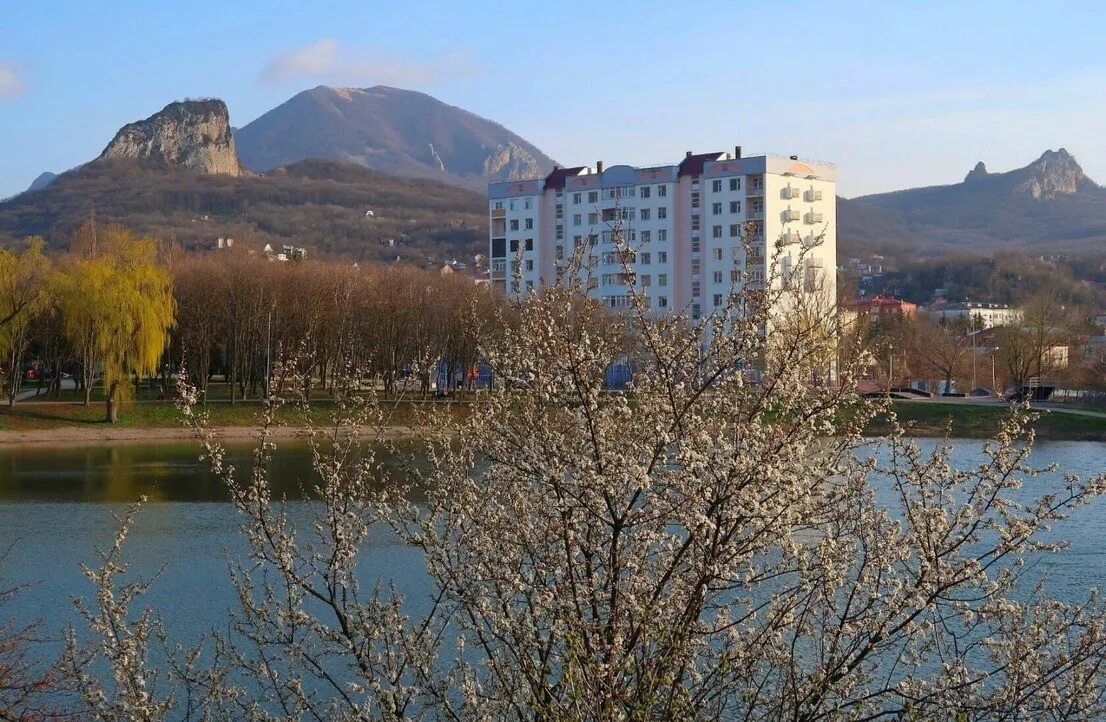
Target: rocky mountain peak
980,171
193,134
1055,173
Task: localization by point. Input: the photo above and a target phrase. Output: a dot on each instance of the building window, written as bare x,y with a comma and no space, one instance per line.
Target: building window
716,186
735,206
526,205
662,190
560,232
529,266
733,230
529,244
529,224
662,257
716,209
735,184
644,214
717,300
645,236
499,205
645,280
695,199
662,235
662,279
593,196
716,231
662,301
645,259
529,285
514,224
512,204
645,191
695,244
662,213
593,219
717,254
696,289
514,245
559,253
560,211
576,219
695,223
717,276
576,198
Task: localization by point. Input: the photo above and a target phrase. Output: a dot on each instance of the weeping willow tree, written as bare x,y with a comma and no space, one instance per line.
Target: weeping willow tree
117,308
23,282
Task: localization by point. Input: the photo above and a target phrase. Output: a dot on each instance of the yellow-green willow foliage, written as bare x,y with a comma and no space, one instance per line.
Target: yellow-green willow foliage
23,293
117,308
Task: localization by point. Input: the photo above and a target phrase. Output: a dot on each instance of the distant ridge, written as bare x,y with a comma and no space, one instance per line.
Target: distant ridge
1049,203
402,132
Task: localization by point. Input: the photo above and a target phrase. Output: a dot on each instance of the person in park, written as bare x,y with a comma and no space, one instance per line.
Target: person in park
719,541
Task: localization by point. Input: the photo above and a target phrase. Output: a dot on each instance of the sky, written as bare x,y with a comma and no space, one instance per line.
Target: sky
897,94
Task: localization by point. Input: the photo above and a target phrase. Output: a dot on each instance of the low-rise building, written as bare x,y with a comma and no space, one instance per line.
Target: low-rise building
979,315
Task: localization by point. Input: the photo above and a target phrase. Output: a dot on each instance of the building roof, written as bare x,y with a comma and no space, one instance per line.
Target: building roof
557,178
693,164
882,302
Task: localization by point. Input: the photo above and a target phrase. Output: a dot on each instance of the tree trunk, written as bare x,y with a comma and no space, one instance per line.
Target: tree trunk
112,407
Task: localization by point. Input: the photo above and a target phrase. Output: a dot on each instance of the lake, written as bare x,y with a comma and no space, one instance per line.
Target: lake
56,506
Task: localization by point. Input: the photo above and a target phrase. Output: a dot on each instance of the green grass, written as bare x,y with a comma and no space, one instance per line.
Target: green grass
925,419
28,416
968,421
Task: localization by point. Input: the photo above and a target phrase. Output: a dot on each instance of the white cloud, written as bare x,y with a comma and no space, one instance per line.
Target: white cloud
328,61
10,83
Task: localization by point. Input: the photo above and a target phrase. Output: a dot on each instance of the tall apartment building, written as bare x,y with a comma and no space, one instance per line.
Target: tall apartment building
684,224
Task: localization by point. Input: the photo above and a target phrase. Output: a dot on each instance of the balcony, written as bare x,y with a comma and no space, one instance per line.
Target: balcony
498,270
789,193
754,190
755,213
813,195
812,218
789,215
499,213
790,238
810,241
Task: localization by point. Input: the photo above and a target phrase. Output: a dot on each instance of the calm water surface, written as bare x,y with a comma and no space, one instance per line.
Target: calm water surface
56,506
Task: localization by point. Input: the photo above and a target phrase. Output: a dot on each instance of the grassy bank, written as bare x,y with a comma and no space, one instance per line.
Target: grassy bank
925,419
45,417
977,422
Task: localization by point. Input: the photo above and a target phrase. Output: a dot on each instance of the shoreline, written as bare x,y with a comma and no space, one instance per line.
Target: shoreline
85,435
153,423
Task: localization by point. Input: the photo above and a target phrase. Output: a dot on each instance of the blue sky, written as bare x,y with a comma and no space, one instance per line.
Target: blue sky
897,94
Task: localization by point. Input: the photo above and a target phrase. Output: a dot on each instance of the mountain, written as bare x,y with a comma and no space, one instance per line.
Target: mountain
176,175
398,131
320,205
44,179
1048,205
193,134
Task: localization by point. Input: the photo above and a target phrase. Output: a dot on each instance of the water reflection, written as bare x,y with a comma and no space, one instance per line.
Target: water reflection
117,473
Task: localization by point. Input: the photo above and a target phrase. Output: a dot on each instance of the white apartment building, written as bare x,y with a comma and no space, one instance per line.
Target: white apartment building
683,223
979,315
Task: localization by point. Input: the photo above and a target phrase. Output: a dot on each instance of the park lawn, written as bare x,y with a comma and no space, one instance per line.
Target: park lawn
976,422
32,416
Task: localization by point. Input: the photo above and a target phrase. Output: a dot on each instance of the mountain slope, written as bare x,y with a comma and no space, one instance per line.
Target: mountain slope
1048,204
320,205
399,131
